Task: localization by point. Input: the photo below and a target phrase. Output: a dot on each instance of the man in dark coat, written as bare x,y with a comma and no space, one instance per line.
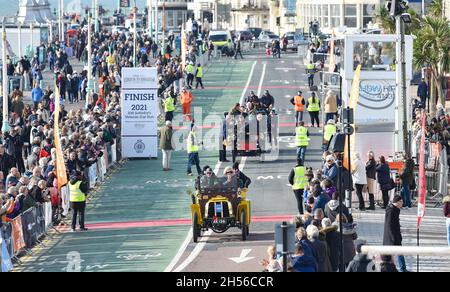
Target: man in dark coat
5,162
422,93
361,263
392,231
244,180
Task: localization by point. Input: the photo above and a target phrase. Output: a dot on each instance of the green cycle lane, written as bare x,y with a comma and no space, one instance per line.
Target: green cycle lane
141,192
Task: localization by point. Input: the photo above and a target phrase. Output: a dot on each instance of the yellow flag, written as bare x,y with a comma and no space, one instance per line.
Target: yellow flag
60,165
353,104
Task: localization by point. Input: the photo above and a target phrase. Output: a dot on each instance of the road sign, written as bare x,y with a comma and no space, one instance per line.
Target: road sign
279,238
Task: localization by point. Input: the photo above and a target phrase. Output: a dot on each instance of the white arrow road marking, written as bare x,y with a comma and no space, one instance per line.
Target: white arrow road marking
243,258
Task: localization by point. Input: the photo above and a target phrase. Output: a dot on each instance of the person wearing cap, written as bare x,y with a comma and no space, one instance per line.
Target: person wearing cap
166,145
328,133
301,140
360,263
331,109
299,182
186,99
190,74
192,150
199,76
299,102
392,230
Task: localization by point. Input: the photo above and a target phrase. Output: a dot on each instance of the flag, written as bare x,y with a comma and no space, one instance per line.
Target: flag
422,177
353,104
60,165
332,55
184,48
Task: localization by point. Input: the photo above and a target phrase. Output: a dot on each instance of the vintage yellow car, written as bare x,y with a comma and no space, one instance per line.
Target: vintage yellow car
219,207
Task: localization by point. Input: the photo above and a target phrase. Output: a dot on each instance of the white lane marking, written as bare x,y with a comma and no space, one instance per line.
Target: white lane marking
204,239
197,250
243,258
186,242
262,79
180,252
241,101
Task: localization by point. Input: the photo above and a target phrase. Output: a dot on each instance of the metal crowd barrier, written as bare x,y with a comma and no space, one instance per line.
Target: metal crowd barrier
27,230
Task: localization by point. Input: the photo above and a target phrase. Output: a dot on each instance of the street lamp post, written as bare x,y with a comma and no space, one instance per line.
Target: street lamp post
5,127
32,39
150,18
20,39
89,73
135,35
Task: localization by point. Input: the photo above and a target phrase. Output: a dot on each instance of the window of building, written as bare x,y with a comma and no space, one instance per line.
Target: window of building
350,15
325,14
335,15
369,11
374,56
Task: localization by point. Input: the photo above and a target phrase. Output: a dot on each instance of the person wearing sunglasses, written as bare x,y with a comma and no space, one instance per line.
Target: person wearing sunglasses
230,178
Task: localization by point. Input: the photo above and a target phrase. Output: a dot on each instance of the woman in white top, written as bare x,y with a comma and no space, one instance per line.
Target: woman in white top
359,178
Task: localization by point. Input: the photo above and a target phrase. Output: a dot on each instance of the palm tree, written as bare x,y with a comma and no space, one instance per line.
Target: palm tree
432,47
436,8
383,17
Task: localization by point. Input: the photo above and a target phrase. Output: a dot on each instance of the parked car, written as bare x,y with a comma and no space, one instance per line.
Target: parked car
269,38
120,29
246,35
256,31
265,33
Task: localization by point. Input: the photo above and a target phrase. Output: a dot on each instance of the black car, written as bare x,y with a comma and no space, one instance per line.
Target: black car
245,35
256,31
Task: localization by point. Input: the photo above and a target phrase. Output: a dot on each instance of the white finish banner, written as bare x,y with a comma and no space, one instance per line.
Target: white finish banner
140,112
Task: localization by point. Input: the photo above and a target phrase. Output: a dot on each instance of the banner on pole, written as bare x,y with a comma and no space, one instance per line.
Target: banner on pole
353,104
60,164
422,177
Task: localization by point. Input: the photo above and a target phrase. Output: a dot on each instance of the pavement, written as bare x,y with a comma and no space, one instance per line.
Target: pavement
140,218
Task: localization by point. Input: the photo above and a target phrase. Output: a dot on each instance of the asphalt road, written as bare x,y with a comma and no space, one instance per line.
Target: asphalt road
271,195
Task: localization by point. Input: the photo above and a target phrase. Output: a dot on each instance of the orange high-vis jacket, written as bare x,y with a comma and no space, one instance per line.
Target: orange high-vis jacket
299,106
186,97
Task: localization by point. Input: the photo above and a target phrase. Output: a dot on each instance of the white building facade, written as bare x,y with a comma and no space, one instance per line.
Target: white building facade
351,15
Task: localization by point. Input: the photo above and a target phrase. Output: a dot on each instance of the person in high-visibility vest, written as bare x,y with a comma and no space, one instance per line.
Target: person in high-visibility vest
192,150
301,140
329,131
311,70
78,188
314,109
169,107
299,102
186,99
190,74
199,76
299,182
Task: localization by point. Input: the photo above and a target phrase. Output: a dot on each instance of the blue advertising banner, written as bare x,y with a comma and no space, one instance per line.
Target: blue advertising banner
6,264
